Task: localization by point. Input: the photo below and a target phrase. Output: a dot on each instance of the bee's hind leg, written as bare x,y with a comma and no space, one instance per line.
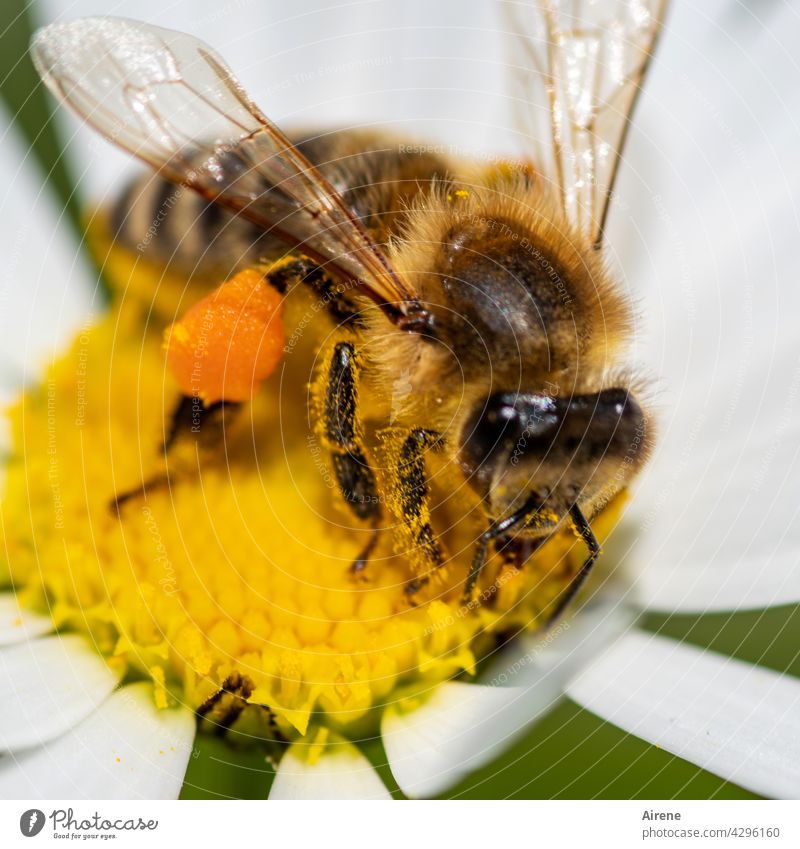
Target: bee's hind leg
122,498
190,418
356,480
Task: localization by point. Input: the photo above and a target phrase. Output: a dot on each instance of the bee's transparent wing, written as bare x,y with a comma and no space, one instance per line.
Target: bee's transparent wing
579,66
170,100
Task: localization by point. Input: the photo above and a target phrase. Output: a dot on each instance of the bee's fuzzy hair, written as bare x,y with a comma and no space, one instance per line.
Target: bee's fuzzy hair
526,205
522,203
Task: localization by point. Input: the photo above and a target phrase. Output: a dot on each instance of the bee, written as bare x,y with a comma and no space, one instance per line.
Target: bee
473,308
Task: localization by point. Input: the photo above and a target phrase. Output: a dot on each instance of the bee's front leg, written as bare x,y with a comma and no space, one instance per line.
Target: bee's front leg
585,532
497,530
414,501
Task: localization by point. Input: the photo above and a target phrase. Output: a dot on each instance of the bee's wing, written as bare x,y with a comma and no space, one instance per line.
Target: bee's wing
579,66
170,100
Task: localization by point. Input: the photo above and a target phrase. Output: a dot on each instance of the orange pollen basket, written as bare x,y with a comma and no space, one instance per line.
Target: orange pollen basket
226,344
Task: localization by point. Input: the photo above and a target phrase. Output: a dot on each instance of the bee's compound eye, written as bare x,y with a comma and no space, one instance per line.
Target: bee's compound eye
616,424
492,432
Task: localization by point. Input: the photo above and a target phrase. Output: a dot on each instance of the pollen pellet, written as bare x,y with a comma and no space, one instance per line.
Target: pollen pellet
228,342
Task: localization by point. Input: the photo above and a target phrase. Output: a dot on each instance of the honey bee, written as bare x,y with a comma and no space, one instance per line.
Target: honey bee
473,307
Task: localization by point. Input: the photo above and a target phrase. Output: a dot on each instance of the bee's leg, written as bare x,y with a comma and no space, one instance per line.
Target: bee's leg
355,478
190,418
121,499
586,534
283,275
413,500
360,563
238,688
495,531
193,418
585,531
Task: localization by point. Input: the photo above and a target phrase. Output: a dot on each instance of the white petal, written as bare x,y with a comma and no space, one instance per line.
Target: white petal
707,233
739,721
49,685
126,749
46,282
341,772
17,624
533,661
464,725
458,729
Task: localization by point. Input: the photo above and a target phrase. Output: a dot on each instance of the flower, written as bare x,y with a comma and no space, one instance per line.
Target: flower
713,518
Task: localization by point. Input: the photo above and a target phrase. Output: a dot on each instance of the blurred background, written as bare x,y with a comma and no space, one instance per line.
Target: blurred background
436,72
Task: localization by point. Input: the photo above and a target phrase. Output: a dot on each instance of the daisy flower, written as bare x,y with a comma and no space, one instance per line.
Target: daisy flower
222,603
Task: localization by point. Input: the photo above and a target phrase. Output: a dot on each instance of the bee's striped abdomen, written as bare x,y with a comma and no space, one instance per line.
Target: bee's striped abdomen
180,228
176,227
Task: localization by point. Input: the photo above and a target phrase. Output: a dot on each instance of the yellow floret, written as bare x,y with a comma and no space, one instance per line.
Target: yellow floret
241,564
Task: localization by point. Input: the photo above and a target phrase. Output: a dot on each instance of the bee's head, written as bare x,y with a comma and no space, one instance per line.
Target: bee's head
581,449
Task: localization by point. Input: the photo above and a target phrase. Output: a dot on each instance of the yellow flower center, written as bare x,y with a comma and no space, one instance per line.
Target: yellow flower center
233,571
